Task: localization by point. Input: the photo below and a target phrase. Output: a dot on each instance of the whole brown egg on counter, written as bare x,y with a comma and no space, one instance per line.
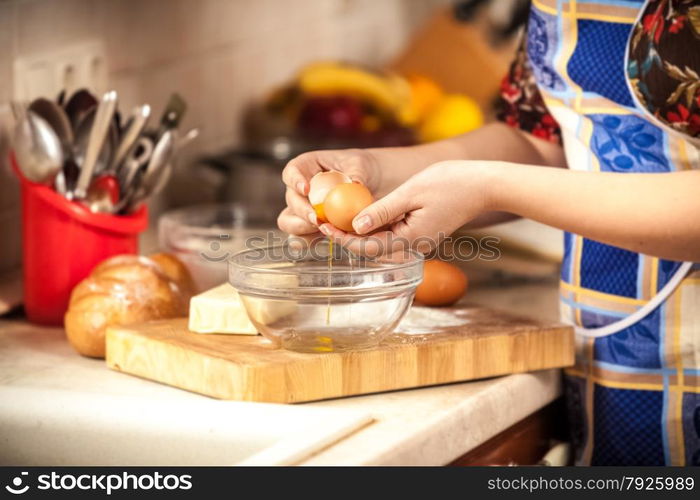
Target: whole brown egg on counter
443,284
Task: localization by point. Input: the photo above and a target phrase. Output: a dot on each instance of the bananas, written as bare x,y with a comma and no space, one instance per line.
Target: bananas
387,92
415,101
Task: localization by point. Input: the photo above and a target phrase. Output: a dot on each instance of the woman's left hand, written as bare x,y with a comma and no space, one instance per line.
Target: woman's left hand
419,213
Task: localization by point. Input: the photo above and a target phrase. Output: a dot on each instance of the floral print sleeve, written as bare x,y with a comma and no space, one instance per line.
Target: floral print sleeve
663,63
521,104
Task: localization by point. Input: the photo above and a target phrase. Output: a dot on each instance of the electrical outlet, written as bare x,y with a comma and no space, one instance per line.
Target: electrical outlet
70,68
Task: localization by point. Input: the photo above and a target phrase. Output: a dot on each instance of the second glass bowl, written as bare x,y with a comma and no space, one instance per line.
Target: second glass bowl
204,237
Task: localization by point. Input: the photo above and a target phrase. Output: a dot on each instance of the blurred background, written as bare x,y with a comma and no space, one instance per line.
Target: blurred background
248,71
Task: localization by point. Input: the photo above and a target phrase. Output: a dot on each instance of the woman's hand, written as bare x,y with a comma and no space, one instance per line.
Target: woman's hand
299,217
419,213
385,169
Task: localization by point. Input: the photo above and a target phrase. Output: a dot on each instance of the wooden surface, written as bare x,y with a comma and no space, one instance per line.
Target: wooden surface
252,369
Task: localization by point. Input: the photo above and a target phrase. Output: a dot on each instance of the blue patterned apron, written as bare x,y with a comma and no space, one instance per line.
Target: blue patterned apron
634,396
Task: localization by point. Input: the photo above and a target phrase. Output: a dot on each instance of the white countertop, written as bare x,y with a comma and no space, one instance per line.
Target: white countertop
43,376
435,425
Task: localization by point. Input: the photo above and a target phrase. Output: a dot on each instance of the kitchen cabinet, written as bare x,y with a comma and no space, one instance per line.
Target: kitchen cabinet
524,443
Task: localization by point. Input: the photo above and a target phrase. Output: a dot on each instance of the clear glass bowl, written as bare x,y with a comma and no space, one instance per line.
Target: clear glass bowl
204,237
302,300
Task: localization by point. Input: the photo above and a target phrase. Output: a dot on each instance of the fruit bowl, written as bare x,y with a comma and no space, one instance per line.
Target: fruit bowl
321,298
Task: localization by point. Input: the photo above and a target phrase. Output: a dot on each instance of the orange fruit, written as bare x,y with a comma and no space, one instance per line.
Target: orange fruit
425,94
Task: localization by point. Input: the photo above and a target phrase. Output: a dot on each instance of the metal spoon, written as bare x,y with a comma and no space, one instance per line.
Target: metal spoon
37,147
57,118
79,103
98,134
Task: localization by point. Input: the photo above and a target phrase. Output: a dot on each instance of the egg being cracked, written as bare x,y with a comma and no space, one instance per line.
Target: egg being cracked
344,202
320,185
337,199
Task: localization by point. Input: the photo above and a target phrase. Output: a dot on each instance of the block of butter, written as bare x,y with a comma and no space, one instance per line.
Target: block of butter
220,310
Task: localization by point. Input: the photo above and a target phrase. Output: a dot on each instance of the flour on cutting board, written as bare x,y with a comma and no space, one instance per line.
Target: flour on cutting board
421,320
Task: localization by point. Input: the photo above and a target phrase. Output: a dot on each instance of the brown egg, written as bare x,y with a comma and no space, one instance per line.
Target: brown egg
319,186
443,284
344,202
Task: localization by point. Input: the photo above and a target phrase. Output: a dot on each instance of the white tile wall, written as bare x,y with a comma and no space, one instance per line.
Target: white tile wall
219,54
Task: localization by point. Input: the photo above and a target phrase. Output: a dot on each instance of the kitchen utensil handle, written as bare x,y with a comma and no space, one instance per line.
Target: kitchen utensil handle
98,134
139,119
138,157
161,156
172,115
189,136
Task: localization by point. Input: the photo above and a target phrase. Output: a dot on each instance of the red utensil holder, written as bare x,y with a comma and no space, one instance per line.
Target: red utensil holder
62,241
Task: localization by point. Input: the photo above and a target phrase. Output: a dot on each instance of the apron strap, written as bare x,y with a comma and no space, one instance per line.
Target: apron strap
640,313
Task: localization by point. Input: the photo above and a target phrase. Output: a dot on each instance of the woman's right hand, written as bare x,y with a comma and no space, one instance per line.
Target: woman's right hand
299,218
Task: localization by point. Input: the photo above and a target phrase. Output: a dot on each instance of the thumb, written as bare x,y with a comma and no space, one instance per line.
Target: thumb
381,212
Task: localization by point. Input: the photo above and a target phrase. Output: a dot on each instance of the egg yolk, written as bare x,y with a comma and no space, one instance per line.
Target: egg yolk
320,213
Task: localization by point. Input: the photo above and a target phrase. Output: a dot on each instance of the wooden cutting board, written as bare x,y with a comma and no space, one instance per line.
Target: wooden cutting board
249,368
